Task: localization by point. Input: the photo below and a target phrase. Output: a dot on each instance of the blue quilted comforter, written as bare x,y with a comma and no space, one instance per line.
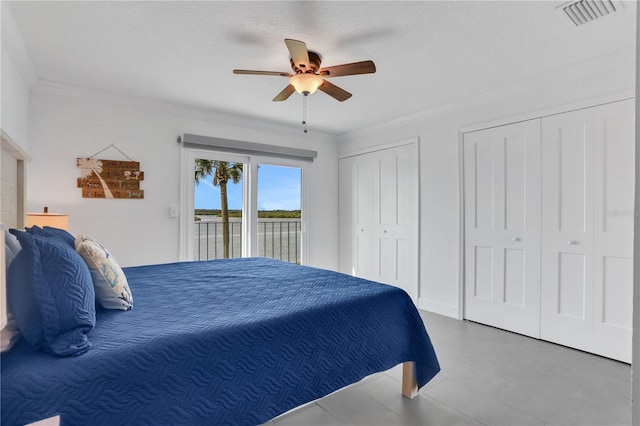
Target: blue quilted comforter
238,341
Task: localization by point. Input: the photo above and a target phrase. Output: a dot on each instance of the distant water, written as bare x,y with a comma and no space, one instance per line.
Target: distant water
205,218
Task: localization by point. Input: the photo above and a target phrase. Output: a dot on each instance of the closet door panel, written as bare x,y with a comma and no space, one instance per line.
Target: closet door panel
519,308
514,277
482,248
613,229
502,226
346,203
567,236
616,307
484,275
395,219
364,171
572,142
386,259
572,285
387,187
379,216
485,176
407,218
404,264
515,162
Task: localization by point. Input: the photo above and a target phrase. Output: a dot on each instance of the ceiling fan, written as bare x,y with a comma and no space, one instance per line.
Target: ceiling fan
307,75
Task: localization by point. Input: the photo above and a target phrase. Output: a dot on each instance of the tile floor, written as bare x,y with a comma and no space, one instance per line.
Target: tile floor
488,377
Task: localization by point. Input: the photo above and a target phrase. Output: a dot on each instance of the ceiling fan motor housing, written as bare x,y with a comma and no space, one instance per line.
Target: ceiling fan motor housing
314,64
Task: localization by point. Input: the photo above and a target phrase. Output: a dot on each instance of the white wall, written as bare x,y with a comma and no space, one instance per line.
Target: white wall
66,123
635,361
15,101
16,77
439,133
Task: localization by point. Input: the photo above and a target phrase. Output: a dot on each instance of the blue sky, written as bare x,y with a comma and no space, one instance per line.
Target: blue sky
279,188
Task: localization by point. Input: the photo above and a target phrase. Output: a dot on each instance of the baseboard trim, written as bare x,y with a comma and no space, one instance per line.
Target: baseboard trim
440,308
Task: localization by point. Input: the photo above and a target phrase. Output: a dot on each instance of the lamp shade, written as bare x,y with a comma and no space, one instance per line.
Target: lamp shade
305,83
54,220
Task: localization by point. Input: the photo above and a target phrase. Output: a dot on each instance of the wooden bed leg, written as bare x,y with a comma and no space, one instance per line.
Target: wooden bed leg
409,381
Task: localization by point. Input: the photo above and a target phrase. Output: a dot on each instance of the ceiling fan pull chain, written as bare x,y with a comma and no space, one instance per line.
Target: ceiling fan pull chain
304,112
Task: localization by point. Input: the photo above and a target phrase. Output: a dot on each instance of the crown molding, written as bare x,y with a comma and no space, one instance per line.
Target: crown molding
606,65
14,42
176,110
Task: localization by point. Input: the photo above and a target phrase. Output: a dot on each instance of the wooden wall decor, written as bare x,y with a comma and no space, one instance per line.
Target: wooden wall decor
110,178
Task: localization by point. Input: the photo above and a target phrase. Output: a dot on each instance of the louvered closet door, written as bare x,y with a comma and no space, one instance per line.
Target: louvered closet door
567,223
502,227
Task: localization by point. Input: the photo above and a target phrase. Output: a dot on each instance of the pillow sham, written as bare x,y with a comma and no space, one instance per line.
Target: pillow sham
51,295
57,233
110,283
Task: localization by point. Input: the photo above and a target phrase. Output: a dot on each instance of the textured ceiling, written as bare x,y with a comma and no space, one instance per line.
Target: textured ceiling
427,53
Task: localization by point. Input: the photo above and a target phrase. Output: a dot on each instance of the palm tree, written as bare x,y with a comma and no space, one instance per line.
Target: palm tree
222,171
89,167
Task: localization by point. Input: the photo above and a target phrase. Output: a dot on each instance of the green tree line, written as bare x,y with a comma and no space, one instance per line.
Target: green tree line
267,214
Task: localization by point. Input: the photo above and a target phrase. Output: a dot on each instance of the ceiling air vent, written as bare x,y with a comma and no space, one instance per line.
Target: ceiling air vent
583,11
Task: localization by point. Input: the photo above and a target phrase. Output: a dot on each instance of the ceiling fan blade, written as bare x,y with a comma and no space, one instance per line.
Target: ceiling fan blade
299,53
334,91
284,95
251,72
355,68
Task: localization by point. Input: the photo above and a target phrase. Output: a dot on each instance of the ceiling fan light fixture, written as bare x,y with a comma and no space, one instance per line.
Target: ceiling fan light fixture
306,83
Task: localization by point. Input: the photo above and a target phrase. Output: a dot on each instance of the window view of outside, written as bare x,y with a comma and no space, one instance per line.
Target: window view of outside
279,190
218,210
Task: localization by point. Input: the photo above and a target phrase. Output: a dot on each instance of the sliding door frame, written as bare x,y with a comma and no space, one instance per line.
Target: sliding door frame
249,201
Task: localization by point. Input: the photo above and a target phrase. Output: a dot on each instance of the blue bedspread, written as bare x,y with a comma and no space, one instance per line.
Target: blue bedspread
238,341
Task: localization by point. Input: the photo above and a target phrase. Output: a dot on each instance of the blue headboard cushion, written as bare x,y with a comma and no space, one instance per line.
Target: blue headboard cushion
51,295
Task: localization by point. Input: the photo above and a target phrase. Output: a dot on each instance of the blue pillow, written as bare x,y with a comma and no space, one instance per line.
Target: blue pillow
50,232
51,295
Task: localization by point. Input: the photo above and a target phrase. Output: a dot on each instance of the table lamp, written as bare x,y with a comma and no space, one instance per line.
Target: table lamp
54,220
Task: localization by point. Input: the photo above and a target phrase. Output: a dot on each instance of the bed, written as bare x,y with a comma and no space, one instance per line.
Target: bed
235,341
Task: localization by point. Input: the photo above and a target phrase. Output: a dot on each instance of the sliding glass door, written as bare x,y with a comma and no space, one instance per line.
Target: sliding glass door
218,205
241,206
279,212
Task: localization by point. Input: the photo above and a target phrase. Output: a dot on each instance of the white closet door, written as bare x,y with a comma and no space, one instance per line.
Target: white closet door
363,208
502,227
481,173
356,199
379,217
588,178
613,230
346,179
395,217
567,229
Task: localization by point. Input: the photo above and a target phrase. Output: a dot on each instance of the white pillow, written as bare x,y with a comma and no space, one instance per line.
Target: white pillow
9,334
109,281
11,248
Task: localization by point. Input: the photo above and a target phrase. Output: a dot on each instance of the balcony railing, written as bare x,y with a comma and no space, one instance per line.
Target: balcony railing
277,239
